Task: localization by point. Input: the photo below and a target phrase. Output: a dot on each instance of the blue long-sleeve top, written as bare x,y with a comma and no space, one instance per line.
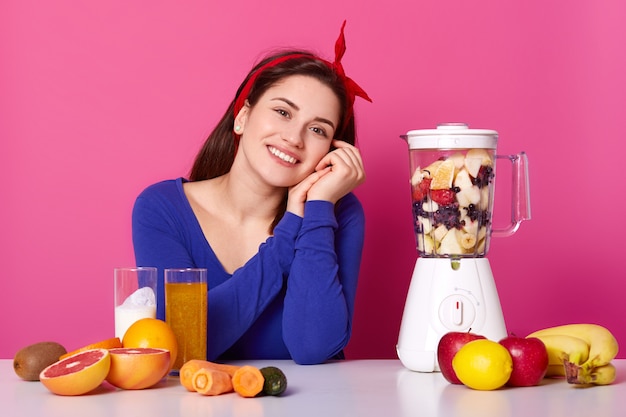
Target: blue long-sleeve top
293,299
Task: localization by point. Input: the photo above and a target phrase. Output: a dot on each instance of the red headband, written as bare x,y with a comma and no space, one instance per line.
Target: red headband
352,88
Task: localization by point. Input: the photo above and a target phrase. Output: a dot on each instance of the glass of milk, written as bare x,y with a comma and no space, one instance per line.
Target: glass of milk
135,296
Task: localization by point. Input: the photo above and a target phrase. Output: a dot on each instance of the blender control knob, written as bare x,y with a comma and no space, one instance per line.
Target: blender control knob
456,312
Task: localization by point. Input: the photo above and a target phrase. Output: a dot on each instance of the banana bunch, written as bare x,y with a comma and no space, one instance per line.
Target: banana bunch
580,352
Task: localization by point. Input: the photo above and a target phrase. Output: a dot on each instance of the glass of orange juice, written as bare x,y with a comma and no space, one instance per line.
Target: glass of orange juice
186,312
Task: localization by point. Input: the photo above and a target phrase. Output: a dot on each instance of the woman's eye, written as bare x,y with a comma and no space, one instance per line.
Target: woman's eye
319,131
282,112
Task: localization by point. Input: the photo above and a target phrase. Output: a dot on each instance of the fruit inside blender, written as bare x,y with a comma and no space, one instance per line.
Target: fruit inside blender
452,200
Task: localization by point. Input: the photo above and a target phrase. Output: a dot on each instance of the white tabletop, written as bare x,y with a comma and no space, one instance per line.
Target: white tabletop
381,388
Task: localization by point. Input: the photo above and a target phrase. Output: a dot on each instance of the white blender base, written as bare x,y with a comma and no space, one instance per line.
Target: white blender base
441,300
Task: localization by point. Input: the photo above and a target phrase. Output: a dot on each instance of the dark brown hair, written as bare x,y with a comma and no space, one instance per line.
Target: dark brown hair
217,154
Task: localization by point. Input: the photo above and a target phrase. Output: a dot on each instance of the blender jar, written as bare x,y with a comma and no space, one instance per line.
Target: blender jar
453,172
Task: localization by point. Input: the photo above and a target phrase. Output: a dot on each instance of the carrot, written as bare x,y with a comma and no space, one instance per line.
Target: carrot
248,381
190,367
211,382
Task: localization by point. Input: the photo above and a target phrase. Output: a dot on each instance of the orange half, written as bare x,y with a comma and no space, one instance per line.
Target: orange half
443,175
111,343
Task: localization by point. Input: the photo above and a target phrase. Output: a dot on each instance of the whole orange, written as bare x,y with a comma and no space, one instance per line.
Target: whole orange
151,333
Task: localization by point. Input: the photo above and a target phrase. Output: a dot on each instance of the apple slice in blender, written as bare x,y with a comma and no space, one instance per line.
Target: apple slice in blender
430,206
450,244
426,245
426,224
462,182
484,198
473,166
474,159
463,179
467,192
467,196
439,233
418,176
459,160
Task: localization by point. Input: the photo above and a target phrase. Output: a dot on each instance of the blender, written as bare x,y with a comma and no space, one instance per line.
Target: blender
452,289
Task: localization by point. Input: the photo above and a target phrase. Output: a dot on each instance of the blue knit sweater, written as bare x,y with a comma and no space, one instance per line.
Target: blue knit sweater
293,299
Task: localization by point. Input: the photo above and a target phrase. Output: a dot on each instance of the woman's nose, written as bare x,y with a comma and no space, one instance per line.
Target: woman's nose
293,135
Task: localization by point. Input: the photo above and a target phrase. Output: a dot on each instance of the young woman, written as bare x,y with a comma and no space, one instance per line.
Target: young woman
268,210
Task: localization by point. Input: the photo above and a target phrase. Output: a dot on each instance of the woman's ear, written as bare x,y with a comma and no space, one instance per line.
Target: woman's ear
241,118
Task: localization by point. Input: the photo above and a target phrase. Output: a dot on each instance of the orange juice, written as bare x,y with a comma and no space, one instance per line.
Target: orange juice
186,313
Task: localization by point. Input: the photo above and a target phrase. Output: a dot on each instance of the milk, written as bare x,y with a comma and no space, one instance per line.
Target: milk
139,305
127,315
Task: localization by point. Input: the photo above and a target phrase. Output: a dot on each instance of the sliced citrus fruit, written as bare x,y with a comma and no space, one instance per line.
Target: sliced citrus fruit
483,364
443,176
430,169
138,368
77,374
151,333
111,343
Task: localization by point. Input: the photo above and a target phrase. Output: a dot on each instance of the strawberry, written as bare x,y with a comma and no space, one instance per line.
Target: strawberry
442,197
421,190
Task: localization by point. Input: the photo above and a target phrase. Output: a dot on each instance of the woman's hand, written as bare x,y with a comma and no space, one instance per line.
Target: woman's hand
298,193
338,173
342,171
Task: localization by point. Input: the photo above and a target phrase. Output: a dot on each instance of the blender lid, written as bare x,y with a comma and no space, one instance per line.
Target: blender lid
451,136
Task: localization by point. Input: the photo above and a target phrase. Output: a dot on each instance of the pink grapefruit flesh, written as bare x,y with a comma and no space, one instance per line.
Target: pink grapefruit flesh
77,374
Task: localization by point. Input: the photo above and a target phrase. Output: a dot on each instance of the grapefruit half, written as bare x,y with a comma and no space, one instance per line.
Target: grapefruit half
77,374
138,368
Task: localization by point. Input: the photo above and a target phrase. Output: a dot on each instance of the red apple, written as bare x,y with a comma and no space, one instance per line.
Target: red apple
530,360
449,345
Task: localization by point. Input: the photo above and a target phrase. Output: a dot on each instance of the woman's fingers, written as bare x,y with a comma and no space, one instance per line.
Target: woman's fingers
298,193
345,153
346,172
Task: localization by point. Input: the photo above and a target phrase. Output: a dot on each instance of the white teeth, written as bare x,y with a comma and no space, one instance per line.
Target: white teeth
282,155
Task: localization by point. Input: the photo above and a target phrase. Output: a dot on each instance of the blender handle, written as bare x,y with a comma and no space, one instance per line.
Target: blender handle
520,194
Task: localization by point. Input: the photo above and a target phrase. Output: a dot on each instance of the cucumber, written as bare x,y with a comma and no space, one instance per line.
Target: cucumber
275,381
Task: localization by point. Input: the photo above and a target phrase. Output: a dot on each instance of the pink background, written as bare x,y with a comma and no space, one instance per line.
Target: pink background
100,99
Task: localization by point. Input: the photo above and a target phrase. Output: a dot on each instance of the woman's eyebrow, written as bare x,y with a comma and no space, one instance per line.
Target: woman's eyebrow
287,101
295,107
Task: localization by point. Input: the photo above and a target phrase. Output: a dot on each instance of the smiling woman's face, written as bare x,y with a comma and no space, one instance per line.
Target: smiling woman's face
288,130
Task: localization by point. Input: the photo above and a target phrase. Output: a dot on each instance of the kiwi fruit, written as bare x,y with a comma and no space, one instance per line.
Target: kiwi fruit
31,360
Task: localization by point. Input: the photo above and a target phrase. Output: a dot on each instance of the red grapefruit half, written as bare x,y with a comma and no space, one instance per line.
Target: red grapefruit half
77,374
138,368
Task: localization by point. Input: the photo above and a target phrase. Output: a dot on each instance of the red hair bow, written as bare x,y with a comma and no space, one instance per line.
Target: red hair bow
352,88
